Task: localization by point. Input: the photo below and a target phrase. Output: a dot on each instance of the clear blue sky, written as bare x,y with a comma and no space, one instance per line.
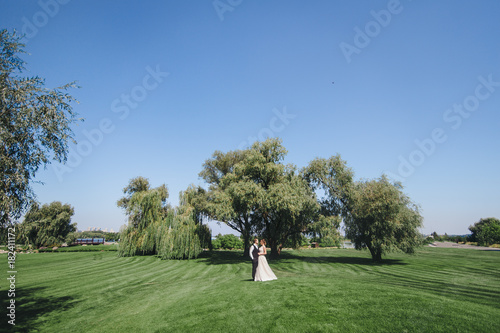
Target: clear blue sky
166,83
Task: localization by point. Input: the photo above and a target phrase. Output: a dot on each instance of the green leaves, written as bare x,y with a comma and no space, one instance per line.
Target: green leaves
154,228
486,231
335,179
382,218
35,128
254,193
48,225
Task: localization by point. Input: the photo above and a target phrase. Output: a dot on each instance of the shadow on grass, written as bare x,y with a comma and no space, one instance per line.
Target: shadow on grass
223,257
447,286
30,307
339,260
234,257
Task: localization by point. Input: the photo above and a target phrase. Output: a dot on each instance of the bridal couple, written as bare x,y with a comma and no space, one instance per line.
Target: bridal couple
260,268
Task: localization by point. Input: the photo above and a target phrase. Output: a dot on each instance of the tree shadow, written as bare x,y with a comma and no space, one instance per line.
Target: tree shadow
234,257
445,287
223,257
29,307
339,260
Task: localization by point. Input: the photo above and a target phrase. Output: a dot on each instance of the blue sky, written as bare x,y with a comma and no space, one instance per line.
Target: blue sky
166,83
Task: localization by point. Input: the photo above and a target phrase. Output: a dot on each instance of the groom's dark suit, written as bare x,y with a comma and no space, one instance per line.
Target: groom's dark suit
255,260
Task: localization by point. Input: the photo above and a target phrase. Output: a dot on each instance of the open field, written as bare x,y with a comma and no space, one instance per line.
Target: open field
319,290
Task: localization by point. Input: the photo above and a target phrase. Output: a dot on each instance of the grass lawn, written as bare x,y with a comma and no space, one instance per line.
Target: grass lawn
318,290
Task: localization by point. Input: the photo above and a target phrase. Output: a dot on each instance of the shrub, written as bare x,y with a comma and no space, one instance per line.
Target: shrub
228,241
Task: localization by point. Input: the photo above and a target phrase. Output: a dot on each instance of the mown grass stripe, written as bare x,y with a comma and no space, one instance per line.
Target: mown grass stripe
317,290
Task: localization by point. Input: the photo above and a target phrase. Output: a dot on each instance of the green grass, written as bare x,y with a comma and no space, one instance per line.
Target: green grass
320,290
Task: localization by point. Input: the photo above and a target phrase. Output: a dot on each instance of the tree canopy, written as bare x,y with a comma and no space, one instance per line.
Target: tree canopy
486,231
382,218
226,201
156,228
35,128
335,179
253,192
48,225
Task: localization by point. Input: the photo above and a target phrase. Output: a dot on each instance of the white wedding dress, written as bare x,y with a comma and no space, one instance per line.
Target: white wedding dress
264,272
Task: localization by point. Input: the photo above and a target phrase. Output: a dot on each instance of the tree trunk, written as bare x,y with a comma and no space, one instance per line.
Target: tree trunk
273,244
376,253
246,243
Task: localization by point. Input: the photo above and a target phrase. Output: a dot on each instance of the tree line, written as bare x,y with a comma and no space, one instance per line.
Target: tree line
256,194
485,232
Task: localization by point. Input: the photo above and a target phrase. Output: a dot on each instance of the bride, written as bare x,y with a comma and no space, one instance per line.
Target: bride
264,272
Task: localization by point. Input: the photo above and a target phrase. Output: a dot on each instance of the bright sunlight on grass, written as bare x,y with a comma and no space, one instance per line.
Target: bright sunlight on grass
319,290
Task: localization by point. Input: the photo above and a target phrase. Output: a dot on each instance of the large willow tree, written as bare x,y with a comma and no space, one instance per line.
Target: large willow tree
155,228
252,191
230,203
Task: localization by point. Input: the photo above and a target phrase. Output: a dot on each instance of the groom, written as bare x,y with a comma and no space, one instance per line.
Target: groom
254,255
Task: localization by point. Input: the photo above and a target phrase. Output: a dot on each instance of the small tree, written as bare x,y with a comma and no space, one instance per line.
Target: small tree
486,231
325,230
48,225
436,236
228,241
382,218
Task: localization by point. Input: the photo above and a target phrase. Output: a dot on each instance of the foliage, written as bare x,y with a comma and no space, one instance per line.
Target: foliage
177,238
325,231
332,178
48,225
228,241
142,203
154,228
228,203
34,128
382,218
108,236
335,179
193,201
448,238
303,241
253,192
486,231
436,236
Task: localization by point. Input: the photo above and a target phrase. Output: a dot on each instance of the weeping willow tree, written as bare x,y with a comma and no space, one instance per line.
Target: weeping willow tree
146,209
178,238
155,228
183,236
